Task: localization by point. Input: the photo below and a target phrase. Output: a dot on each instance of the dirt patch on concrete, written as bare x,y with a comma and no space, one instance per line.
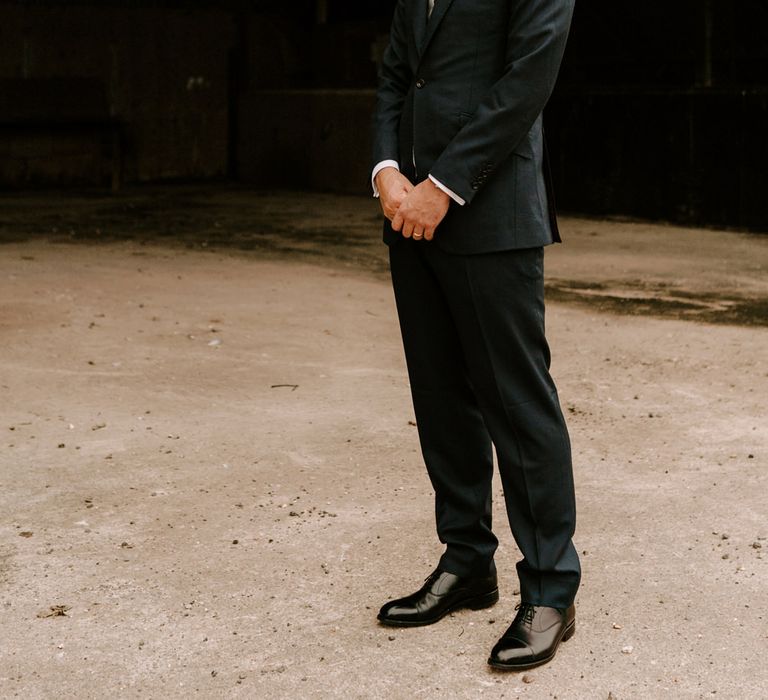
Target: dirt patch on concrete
635,298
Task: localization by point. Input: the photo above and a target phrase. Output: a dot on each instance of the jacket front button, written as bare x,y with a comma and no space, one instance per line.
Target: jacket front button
420,83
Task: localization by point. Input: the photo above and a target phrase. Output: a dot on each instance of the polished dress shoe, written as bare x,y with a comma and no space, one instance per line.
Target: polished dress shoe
441,593
532,639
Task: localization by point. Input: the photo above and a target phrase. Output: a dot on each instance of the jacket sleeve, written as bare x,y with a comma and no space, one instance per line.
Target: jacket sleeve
395,78
536,38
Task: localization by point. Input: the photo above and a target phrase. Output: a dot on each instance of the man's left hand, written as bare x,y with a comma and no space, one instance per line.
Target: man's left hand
421,211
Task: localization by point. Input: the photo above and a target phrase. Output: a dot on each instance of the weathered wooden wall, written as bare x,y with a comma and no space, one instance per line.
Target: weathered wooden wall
164,75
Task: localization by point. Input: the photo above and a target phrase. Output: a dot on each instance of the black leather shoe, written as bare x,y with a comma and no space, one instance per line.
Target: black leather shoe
441,593
532,639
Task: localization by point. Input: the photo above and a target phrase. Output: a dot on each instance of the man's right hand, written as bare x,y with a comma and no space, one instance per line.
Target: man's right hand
393,188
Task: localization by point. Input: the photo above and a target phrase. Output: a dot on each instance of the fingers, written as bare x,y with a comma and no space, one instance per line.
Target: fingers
390,203
412,229
414,214
410,226
397,221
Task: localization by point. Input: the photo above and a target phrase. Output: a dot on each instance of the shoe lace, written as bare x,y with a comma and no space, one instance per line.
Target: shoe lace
527,613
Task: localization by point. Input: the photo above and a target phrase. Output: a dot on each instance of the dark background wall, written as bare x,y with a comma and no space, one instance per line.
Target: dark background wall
69,69
659,112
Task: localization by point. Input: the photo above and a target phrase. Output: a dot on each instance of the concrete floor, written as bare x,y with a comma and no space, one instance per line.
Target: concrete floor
208,458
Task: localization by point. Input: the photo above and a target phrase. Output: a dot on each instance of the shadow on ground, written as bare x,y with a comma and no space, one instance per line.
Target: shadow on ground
598,267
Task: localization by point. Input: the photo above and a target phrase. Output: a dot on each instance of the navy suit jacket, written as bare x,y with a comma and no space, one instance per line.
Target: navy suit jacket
460,97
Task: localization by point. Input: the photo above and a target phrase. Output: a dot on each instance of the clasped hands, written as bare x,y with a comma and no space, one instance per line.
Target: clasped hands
413,210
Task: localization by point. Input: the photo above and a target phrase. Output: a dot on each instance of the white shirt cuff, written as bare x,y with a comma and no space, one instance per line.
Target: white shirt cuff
450,193
379,167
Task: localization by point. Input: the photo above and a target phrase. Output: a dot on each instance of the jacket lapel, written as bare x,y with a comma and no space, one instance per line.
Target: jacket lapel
441,7
420,23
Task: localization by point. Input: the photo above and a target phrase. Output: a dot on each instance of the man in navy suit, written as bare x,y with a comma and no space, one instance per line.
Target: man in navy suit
460,167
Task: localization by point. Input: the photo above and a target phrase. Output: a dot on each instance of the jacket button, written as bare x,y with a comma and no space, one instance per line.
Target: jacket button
420,83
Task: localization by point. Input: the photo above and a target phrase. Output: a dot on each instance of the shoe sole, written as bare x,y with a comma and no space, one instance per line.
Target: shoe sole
570,630
480,602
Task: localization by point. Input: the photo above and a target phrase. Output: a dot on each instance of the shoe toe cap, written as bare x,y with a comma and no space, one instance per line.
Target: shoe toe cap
396,611
511,651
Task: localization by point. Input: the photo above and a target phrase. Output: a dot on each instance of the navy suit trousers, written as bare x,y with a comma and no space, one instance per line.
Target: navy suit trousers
478,363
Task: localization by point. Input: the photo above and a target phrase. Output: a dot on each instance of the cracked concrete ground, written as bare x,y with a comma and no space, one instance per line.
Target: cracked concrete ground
210,480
